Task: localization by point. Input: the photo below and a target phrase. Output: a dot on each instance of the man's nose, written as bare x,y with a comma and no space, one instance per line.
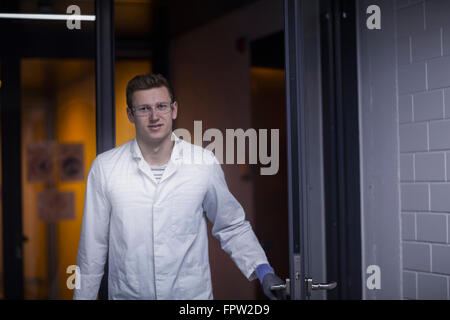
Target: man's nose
153,115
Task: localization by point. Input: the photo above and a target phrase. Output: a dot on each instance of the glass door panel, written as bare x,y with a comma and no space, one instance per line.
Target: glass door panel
56,106
58,127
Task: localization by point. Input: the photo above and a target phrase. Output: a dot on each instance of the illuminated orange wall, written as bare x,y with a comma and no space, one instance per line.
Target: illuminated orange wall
75,123
35,249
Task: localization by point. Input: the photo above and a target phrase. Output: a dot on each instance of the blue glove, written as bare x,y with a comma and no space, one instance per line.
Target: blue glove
268,279
262,270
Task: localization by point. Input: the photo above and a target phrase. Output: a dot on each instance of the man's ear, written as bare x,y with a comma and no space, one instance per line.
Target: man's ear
130,115
175,110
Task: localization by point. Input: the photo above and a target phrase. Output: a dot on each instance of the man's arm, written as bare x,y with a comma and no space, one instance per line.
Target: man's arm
93,246
229,225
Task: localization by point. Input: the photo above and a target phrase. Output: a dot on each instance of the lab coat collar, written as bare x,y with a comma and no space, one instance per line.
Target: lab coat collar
177,151
172,166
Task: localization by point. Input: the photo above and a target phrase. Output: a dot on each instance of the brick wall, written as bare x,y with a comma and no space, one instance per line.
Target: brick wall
423,75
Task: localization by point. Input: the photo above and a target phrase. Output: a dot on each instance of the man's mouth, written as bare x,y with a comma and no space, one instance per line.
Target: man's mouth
155,127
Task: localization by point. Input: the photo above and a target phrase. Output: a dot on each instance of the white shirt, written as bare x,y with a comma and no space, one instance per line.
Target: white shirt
158,171
155,233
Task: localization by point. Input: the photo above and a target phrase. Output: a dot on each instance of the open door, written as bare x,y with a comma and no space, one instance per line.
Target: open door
323,149
305,190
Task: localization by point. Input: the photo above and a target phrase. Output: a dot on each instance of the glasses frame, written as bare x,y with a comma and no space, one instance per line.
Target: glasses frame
151,109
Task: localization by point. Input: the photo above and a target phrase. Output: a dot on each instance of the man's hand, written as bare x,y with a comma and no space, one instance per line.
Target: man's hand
270,280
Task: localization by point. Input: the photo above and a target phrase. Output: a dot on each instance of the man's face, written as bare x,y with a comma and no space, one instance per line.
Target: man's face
153,127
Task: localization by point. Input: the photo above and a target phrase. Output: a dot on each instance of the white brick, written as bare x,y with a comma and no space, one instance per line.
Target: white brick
439,72
441,258
446,40
416,256
430,167
447,164
408,226
414,137
406,167
431,287
447,102
437,13
440,135
405,109
429,105
410,20
412,78
409,285
440,197
414,197
404,50
426,45
431,227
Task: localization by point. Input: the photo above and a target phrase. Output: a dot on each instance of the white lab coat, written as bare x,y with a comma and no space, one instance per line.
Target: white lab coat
155,234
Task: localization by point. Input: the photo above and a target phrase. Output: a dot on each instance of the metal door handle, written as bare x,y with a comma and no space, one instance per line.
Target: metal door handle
324,286
310,286
286,287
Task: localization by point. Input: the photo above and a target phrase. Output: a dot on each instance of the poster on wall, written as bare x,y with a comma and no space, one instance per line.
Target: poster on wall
71,162
54,205
40,161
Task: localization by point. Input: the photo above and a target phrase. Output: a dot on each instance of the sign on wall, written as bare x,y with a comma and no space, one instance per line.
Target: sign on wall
71,161
44,160
40,161
54,205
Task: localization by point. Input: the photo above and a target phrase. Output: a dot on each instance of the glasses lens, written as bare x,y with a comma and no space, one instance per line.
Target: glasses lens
161,108
141,110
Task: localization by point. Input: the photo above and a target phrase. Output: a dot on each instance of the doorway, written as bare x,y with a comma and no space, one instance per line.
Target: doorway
299,246
268,100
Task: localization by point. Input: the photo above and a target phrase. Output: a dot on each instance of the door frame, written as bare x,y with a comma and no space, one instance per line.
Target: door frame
341,147
105,93
296,150
13,277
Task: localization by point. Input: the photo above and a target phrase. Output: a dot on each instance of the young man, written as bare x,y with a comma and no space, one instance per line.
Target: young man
146,207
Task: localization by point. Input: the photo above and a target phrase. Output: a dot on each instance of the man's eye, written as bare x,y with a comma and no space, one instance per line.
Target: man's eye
143,108
161,106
